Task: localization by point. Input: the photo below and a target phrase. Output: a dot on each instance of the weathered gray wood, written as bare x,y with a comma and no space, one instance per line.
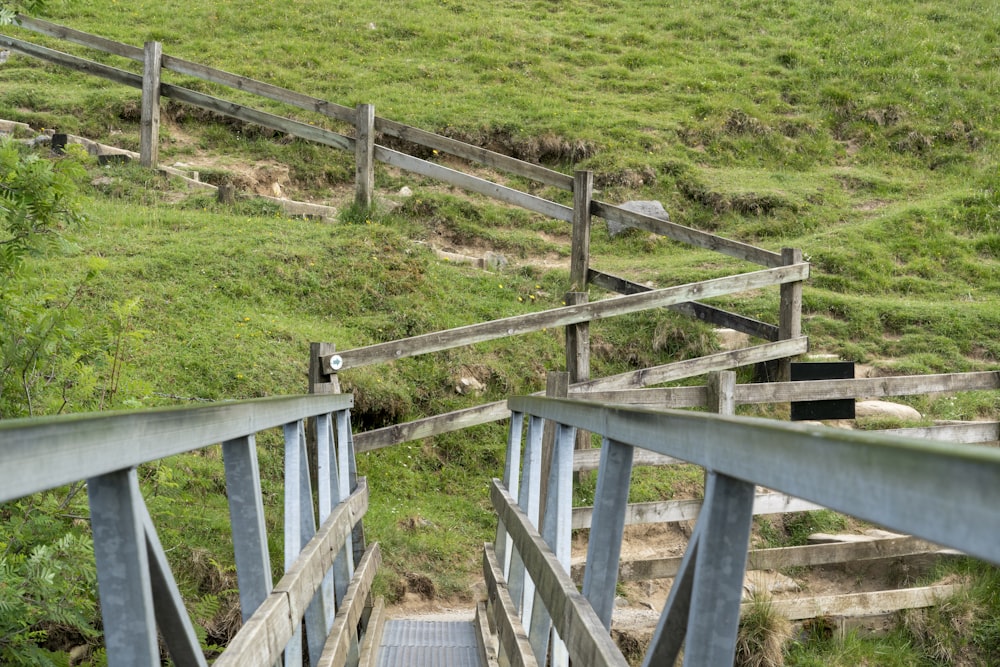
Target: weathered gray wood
373,635
78,37
577,343
692,367
590,459
666,511
246,515
123,576
687,235
864,604
971,433
82,446
511,479
521,324
474,184
786,557
578,625
556,386
695,309
430,426
261,640
790,316
605,541
718,576
364,156
293,592
485,641
721,388
149,124
579,257
941,492
344,632
171,615
810,390
244,113
666,397
510,631
474,153
72,62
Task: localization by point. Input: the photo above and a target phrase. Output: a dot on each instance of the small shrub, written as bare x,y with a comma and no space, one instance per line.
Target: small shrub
762,634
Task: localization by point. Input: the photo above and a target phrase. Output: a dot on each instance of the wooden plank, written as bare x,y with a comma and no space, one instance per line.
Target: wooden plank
364,156
809,555
686,510
259,88
72,62
149,124
306,574
970,433
474,184
474,153
78,37
687,235
692,367
863,604
790,312
510,630
589,459
484,638
556,317
667,397
431,426
262,639
811,390
338,642
244,113
373,635
695,309
578,626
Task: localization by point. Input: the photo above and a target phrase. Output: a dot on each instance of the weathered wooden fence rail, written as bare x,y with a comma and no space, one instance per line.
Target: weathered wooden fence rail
325,585
945,494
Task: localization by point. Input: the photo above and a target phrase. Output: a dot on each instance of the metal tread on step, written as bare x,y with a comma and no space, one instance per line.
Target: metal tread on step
410,643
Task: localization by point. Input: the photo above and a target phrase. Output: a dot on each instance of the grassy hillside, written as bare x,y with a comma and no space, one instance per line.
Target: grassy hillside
867,136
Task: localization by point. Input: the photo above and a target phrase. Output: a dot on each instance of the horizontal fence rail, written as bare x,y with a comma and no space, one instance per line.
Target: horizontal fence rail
522,324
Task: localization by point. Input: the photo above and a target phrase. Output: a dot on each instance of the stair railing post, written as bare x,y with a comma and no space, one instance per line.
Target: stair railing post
149,124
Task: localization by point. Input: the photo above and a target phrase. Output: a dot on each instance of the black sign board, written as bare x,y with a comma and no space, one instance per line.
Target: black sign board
820,410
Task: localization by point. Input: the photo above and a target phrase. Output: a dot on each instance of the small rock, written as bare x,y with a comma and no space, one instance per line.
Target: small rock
41,140
405,192
885,409
469,385
494,261
651,208
103,181
4,55
620,601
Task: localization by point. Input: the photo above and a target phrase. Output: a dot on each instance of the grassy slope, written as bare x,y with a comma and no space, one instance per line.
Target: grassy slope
863,135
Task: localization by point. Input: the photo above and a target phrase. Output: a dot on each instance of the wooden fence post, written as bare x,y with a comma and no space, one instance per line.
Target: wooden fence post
364,156
583,192
790,324
149,125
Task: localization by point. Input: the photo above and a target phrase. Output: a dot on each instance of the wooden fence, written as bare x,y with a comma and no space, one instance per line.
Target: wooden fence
786,268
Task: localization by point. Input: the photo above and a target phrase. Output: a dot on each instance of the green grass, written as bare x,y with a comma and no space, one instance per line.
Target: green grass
866,136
